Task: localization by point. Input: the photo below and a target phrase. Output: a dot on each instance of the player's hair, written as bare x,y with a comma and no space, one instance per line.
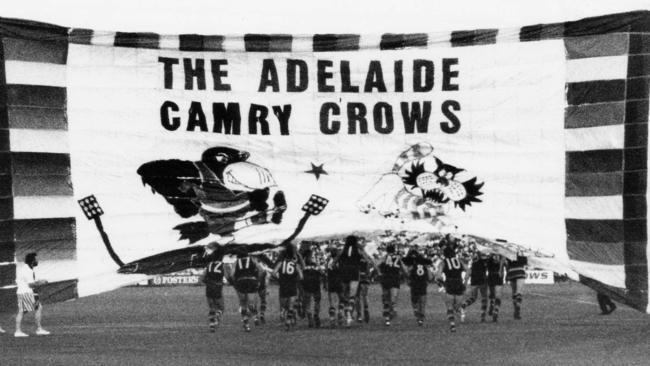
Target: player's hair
350,241
289,252
30,257
390,248
449,252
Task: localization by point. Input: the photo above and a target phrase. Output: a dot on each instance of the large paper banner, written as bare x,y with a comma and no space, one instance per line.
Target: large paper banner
537,135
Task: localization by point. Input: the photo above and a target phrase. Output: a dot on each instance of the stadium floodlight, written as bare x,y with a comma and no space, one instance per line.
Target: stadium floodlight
315,205
93,211
90,207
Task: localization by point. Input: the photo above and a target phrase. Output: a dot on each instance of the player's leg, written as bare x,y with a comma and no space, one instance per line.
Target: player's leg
19,321
394,292
317,298
449,303
357,304
244,310
484,301
341,308
212,313
350,300
414,304
331,296
471,298
517,298
364,302
497,302
291,311
308,300
385,300
262,293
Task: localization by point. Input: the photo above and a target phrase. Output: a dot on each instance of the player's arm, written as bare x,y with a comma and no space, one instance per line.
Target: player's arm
300,276
276,269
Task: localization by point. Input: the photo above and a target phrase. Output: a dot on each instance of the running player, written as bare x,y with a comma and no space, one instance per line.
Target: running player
311,286
247,284
334,289
496,273
391,269
516,276
419,276
350,264
289,274
452,267
478,278
213,279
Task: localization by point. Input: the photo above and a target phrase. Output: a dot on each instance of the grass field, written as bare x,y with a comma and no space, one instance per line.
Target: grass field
561,325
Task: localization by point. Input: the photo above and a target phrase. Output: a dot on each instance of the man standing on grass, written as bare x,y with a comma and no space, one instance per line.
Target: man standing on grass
27,300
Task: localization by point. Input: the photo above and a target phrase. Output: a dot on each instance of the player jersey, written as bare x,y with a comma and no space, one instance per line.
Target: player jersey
494,267
418,273
391,265
214,273
244,267
452,268
350,256
364,272
288,271
333,273
478,273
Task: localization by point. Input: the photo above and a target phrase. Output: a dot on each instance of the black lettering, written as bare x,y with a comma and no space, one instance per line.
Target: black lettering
375,78
357,113
418,85
399,76
197,72
175,122
417,117
196,118
227,119
283,115
325,126
387,111
323,76
269,76
218,74
453,125
447,74
257,114
297,67
168,69
346,85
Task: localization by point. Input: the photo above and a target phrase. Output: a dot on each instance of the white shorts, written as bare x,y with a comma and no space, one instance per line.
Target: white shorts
27,302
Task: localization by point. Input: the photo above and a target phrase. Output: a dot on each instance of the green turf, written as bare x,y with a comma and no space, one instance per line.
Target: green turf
561,325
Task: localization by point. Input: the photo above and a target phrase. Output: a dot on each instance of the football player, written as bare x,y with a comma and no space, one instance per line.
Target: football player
311,284
452,267
478,278
350,260
334,289
419,276
391,269
289,274
246,279
213,278
516,276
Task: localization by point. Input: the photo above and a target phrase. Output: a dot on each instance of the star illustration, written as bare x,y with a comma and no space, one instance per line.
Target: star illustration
316,170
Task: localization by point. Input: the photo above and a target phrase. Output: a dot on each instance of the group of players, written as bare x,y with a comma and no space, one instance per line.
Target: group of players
346,275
